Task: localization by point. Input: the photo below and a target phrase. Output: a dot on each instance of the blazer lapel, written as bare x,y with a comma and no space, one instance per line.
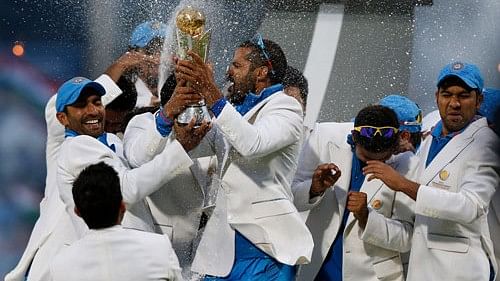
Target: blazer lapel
255,110
343,156
451,150
250,116
371,188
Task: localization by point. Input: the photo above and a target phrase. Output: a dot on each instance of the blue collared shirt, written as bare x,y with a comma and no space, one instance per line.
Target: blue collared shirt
439,142
331,270
103,138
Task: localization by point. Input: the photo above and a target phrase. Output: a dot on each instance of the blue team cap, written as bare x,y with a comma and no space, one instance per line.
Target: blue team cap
147,31
70,91
408,112
490,104
469,73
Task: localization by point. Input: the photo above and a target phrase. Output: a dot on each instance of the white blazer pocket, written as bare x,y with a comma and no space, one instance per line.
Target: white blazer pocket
271,208
389,269
448,243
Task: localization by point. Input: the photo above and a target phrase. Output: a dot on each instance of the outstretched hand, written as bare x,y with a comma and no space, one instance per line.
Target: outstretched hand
390,177
129,60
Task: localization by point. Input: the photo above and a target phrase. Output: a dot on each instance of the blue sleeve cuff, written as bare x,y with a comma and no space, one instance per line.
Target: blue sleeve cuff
163,123
218,106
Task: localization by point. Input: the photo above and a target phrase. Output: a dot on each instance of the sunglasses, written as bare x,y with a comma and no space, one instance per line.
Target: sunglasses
370,131
259,42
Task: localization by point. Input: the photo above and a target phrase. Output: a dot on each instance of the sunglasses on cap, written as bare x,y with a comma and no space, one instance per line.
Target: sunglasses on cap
417,122
259,42
370,131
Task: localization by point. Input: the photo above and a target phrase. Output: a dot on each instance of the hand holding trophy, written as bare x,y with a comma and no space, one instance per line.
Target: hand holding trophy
191,36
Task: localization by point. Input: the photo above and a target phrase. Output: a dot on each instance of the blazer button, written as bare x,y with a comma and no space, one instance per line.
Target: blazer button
377,204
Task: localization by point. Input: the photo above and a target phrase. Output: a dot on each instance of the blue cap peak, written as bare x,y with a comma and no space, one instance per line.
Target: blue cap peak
70,91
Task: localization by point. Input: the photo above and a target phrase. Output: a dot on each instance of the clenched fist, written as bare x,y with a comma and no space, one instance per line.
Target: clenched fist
358,205
324,176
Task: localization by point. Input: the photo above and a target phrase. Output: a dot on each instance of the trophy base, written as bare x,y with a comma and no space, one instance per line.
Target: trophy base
196,111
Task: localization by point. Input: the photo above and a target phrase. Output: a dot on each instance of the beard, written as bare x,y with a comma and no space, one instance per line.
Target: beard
239,89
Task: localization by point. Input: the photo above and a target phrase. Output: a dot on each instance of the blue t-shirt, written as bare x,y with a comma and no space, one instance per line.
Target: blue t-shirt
103,138
439,142
249,102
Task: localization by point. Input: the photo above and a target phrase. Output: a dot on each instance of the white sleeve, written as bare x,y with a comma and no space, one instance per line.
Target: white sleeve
476,188
308,161
392,233
112,90
279,126
55,131
136,183
141,140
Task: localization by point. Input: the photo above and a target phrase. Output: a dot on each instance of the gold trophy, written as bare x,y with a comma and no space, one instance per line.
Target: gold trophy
190,35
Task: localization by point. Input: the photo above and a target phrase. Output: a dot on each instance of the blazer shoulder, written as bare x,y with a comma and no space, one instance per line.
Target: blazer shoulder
335,132
140,118
146,237
280,99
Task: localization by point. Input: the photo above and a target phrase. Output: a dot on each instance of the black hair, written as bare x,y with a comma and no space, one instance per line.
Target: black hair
376,116
416,139
167,90
295,78
97,195
137,111
128,98
276,55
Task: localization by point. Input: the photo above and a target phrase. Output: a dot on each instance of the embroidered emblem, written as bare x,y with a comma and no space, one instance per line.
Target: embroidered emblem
377,204
443,175
457,66
78,80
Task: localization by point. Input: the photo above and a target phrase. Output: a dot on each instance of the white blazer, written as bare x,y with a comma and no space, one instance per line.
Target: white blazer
363,259
81,151
451,239
116,254
256,162
43,236
178,205
494,225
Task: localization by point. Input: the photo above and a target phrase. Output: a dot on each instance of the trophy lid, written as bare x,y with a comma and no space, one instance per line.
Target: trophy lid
190,20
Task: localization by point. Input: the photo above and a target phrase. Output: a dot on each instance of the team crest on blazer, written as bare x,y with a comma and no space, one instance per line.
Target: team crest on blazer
443,175
377,204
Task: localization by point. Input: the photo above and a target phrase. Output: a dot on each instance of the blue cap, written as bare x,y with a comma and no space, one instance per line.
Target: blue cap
408,112
469,73
70,91
147,31
490,104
